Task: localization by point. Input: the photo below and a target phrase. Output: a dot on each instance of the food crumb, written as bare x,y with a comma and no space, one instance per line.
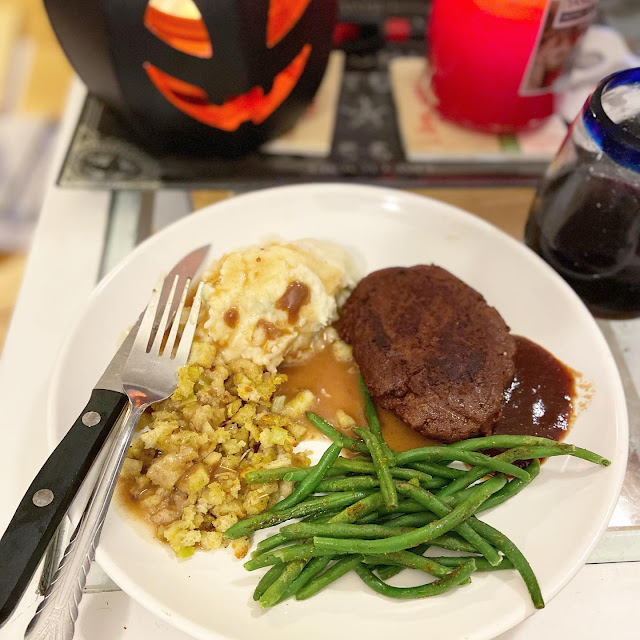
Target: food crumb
345,421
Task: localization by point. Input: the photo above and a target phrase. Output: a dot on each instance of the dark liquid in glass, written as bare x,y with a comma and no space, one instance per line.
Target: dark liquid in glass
587,227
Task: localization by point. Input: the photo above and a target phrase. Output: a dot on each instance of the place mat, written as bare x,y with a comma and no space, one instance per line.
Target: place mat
427,136
312,135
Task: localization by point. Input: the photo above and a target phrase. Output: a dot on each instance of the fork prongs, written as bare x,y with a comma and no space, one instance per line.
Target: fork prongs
146,325
156,346
182,353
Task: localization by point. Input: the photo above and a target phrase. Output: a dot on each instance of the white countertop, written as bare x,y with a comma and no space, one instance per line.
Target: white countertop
601,601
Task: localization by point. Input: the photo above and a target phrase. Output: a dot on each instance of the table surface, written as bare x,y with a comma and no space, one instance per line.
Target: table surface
66,259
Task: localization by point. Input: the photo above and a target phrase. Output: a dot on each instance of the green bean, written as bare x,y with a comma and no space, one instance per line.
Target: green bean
352,483
501,542
335,571
370,412
424,479
297,475
410,560
313,568
512,488
405,506
321,517
385,572
510,441
273,475
457,576
302,531
457,516
302,551
359,509
410,508
289,474
451,541
369,518
438,507
481,563
310,506
267,580
311,481
381,462
438,470
412,519
362,466
590,456
333,434
266,545
435,454
280,585
519,453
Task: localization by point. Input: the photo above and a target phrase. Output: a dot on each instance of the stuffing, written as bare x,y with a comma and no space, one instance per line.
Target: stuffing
185,469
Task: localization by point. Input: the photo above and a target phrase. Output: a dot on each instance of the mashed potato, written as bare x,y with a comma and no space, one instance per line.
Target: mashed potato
270,302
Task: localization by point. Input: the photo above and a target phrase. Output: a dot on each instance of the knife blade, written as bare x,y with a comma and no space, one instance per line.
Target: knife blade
50,494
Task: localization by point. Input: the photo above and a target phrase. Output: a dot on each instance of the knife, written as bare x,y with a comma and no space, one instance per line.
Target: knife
48,498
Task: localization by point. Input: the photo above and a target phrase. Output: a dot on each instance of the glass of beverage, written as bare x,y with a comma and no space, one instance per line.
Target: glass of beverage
585,219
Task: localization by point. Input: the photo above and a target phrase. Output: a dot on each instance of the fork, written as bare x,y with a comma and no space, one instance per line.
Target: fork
148,376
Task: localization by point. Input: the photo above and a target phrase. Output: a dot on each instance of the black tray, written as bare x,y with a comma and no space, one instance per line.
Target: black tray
366,145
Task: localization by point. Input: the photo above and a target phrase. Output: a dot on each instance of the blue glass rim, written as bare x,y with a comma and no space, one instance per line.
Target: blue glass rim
620,145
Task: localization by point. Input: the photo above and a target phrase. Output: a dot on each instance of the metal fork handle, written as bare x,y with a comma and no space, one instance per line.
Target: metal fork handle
56,615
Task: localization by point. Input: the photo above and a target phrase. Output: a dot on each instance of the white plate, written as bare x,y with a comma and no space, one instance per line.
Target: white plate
555,522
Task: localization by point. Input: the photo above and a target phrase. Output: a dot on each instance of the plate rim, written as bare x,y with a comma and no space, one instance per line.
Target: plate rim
153,604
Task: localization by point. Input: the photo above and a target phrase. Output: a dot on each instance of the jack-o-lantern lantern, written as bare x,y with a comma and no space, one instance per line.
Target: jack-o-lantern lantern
207,76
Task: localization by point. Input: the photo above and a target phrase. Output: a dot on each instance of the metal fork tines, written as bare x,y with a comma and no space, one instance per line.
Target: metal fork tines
149,375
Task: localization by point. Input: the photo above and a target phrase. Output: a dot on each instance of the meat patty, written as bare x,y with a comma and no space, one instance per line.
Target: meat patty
430,349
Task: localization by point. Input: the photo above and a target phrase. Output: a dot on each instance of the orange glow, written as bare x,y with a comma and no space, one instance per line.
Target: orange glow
254,106
513,9
283,16
188,35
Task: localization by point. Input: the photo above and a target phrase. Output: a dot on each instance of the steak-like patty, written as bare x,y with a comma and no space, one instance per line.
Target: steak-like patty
430,349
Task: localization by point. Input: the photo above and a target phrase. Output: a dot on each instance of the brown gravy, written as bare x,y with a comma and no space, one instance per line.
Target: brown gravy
296,295
538,402
131,504
231,317
271,332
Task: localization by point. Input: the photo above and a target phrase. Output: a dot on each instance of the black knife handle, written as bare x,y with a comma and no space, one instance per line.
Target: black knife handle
48,498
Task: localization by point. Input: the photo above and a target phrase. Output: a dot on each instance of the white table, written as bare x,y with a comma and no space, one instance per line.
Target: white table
67,256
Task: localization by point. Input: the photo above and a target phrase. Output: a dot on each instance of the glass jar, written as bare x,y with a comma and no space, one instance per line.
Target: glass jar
585,219
478,51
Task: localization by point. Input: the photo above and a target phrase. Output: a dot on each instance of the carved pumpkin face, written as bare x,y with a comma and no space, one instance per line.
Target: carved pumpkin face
219,76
